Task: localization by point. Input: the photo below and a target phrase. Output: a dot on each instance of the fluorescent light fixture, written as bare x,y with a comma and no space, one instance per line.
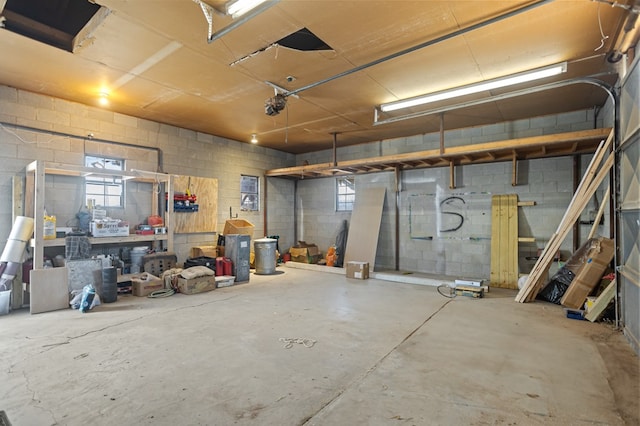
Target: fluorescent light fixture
240,7
509,80
254,138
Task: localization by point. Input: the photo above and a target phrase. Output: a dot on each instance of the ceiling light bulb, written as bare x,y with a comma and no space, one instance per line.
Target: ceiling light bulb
103,99
509,80
240,7
254,138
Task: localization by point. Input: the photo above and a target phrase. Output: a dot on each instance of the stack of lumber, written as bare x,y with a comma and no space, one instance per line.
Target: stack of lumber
504,241
593,177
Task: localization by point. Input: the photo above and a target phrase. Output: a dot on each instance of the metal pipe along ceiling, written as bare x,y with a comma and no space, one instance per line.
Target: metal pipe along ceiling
423,45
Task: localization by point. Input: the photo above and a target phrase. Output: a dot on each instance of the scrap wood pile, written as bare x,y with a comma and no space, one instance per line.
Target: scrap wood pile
593,177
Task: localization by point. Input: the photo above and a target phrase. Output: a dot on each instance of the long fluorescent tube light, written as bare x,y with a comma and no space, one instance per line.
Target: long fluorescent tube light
240,7
509,80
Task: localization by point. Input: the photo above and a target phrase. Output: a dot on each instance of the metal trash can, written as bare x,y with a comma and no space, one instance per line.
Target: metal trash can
265,251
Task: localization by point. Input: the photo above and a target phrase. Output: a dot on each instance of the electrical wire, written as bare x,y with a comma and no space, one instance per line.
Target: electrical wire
450,291
3,127
162,293
602,36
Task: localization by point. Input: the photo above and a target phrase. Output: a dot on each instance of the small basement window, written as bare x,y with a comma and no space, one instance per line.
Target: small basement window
103,191
249,193
345,194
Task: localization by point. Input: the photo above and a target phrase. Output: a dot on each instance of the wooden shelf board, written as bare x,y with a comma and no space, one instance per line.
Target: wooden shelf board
60,242
555,145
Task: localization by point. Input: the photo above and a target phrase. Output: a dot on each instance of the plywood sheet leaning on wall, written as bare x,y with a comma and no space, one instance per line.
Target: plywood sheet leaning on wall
206,218
504,241
362,240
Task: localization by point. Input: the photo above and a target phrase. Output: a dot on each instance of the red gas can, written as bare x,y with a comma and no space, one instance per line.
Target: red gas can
219,266
227,266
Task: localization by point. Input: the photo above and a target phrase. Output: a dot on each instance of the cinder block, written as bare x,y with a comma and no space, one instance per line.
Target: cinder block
35,100
9,93
103,116
150,126
187,134
572,117
108,128
26,112
83,124
71,108
494,129
68,158
547,121
125,120
138,136
31,152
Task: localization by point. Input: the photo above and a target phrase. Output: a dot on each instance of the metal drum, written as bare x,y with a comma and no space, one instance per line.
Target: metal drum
265,251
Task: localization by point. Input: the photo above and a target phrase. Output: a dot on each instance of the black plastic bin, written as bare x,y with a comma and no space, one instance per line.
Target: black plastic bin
209,262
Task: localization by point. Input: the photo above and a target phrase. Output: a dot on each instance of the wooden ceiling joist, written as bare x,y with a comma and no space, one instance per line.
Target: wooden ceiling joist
555,145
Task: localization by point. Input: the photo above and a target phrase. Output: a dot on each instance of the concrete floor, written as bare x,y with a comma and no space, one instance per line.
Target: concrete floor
385,353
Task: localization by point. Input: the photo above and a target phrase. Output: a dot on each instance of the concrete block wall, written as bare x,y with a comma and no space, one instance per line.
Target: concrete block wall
464,252
280,211
139,142
536,126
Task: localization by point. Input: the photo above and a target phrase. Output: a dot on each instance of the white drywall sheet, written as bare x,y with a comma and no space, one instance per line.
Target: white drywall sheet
49,290
364,228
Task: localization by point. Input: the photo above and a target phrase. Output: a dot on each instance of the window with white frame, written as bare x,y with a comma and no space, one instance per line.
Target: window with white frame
345,194
104,191
249,195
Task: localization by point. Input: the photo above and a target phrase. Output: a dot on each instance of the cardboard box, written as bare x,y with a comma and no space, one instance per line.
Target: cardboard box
196,285
110,229
599,253
358,270
308,253
144,286
204,251
238,226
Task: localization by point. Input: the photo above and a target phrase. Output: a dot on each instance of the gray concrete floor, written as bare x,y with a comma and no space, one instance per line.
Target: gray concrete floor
385,353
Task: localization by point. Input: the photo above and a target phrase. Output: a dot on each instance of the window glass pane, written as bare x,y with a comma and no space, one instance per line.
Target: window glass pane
112,201
104,191
345,194
249,193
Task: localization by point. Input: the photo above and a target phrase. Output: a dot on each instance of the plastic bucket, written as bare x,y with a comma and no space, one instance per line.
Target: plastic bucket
137,253
265,250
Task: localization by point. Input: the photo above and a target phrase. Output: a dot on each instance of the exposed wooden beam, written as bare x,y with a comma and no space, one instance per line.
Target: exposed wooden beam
452,175
514,169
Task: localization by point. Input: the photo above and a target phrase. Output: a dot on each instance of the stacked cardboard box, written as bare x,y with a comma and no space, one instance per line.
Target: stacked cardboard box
598,253
196,285
358,270
305,253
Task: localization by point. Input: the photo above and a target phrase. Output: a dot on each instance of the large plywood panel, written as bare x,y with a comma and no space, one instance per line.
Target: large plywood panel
205,219
362,241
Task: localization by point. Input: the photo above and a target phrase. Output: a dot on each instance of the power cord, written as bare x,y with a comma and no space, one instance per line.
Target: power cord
162,293
447,291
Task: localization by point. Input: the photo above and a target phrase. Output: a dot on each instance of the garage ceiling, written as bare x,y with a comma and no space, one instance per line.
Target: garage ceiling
154,60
